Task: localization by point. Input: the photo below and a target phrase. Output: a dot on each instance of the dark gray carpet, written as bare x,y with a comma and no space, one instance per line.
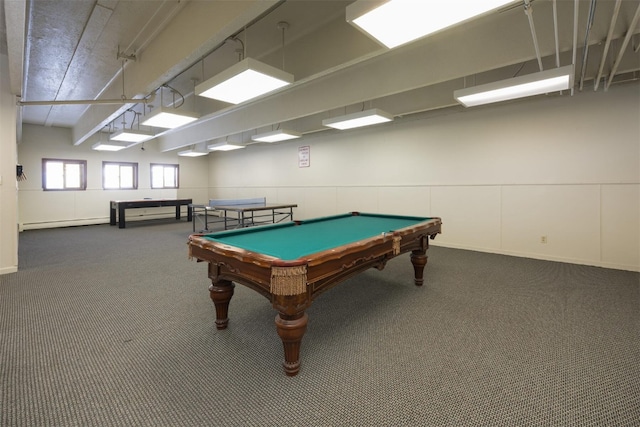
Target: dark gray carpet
109,327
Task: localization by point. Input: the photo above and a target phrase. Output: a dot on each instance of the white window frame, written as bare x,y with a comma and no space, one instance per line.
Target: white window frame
169,178
127,173
72,175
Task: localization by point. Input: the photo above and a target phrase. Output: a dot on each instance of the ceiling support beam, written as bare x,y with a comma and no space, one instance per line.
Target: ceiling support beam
15,14
585,48
605,52
426,62
529,12
575,36
555,32
630,32
172,50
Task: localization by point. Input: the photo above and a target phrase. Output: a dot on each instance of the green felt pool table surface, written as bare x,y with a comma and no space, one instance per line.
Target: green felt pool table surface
289,241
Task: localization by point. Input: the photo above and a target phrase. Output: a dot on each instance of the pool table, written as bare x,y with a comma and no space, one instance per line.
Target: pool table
292,263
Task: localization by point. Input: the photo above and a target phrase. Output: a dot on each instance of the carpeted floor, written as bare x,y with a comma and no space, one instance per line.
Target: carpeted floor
109,327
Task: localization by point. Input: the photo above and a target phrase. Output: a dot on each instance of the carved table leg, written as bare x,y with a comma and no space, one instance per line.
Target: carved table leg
221,292
419,260
291,329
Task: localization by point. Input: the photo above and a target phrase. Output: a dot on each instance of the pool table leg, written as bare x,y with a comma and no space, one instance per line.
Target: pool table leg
221,292
291,329
419,260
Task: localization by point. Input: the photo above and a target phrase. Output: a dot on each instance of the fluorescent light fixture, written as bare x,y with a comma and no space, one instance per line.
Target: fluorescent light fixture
359,119
242,81
131,135
276,136
110,146
169,118
193,152
395,22
518,87
224,146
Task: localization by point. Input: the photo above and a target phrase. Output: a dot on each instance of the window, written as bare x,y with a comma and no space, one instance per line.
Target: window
164,176
119,176
60,174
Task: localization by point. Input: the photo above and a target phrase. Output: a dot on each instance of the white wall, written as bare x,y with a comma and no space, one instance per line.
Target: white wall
8,188
44,209
501,176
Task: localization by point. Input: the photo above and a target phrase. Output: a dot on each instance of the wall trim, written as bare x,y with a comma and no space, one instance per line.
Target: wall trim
564,260
8,270
93,221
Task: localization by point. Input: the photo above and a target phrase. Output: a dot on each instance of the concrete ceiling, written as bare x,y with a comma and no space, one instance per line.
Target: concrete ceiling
67,53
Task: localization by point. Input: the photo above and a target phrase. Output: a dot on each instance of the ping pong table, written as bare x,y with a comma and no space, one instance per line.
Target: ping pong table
241,213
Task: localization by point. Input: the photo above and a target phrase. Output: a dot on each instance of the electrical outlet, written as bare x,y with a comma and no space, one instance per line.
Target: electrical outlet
543,239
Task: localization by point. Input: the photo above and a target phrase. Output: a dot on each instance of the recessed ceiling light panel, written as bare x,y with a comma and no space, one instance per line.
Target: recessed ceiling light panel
359,119
396,22
243,81
276,136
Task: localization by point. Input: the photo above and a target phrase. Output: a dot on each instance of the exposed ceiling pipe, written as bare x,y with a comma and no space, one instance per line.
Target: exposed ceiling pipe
555,34
529,12
18,125
150,97
555,31
585,48
625,42
94,25
614,18
85,102
575,36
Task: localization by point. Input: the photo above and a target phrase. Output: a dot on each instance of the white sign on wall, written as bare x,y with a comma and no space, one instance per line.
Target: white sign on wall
304,156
